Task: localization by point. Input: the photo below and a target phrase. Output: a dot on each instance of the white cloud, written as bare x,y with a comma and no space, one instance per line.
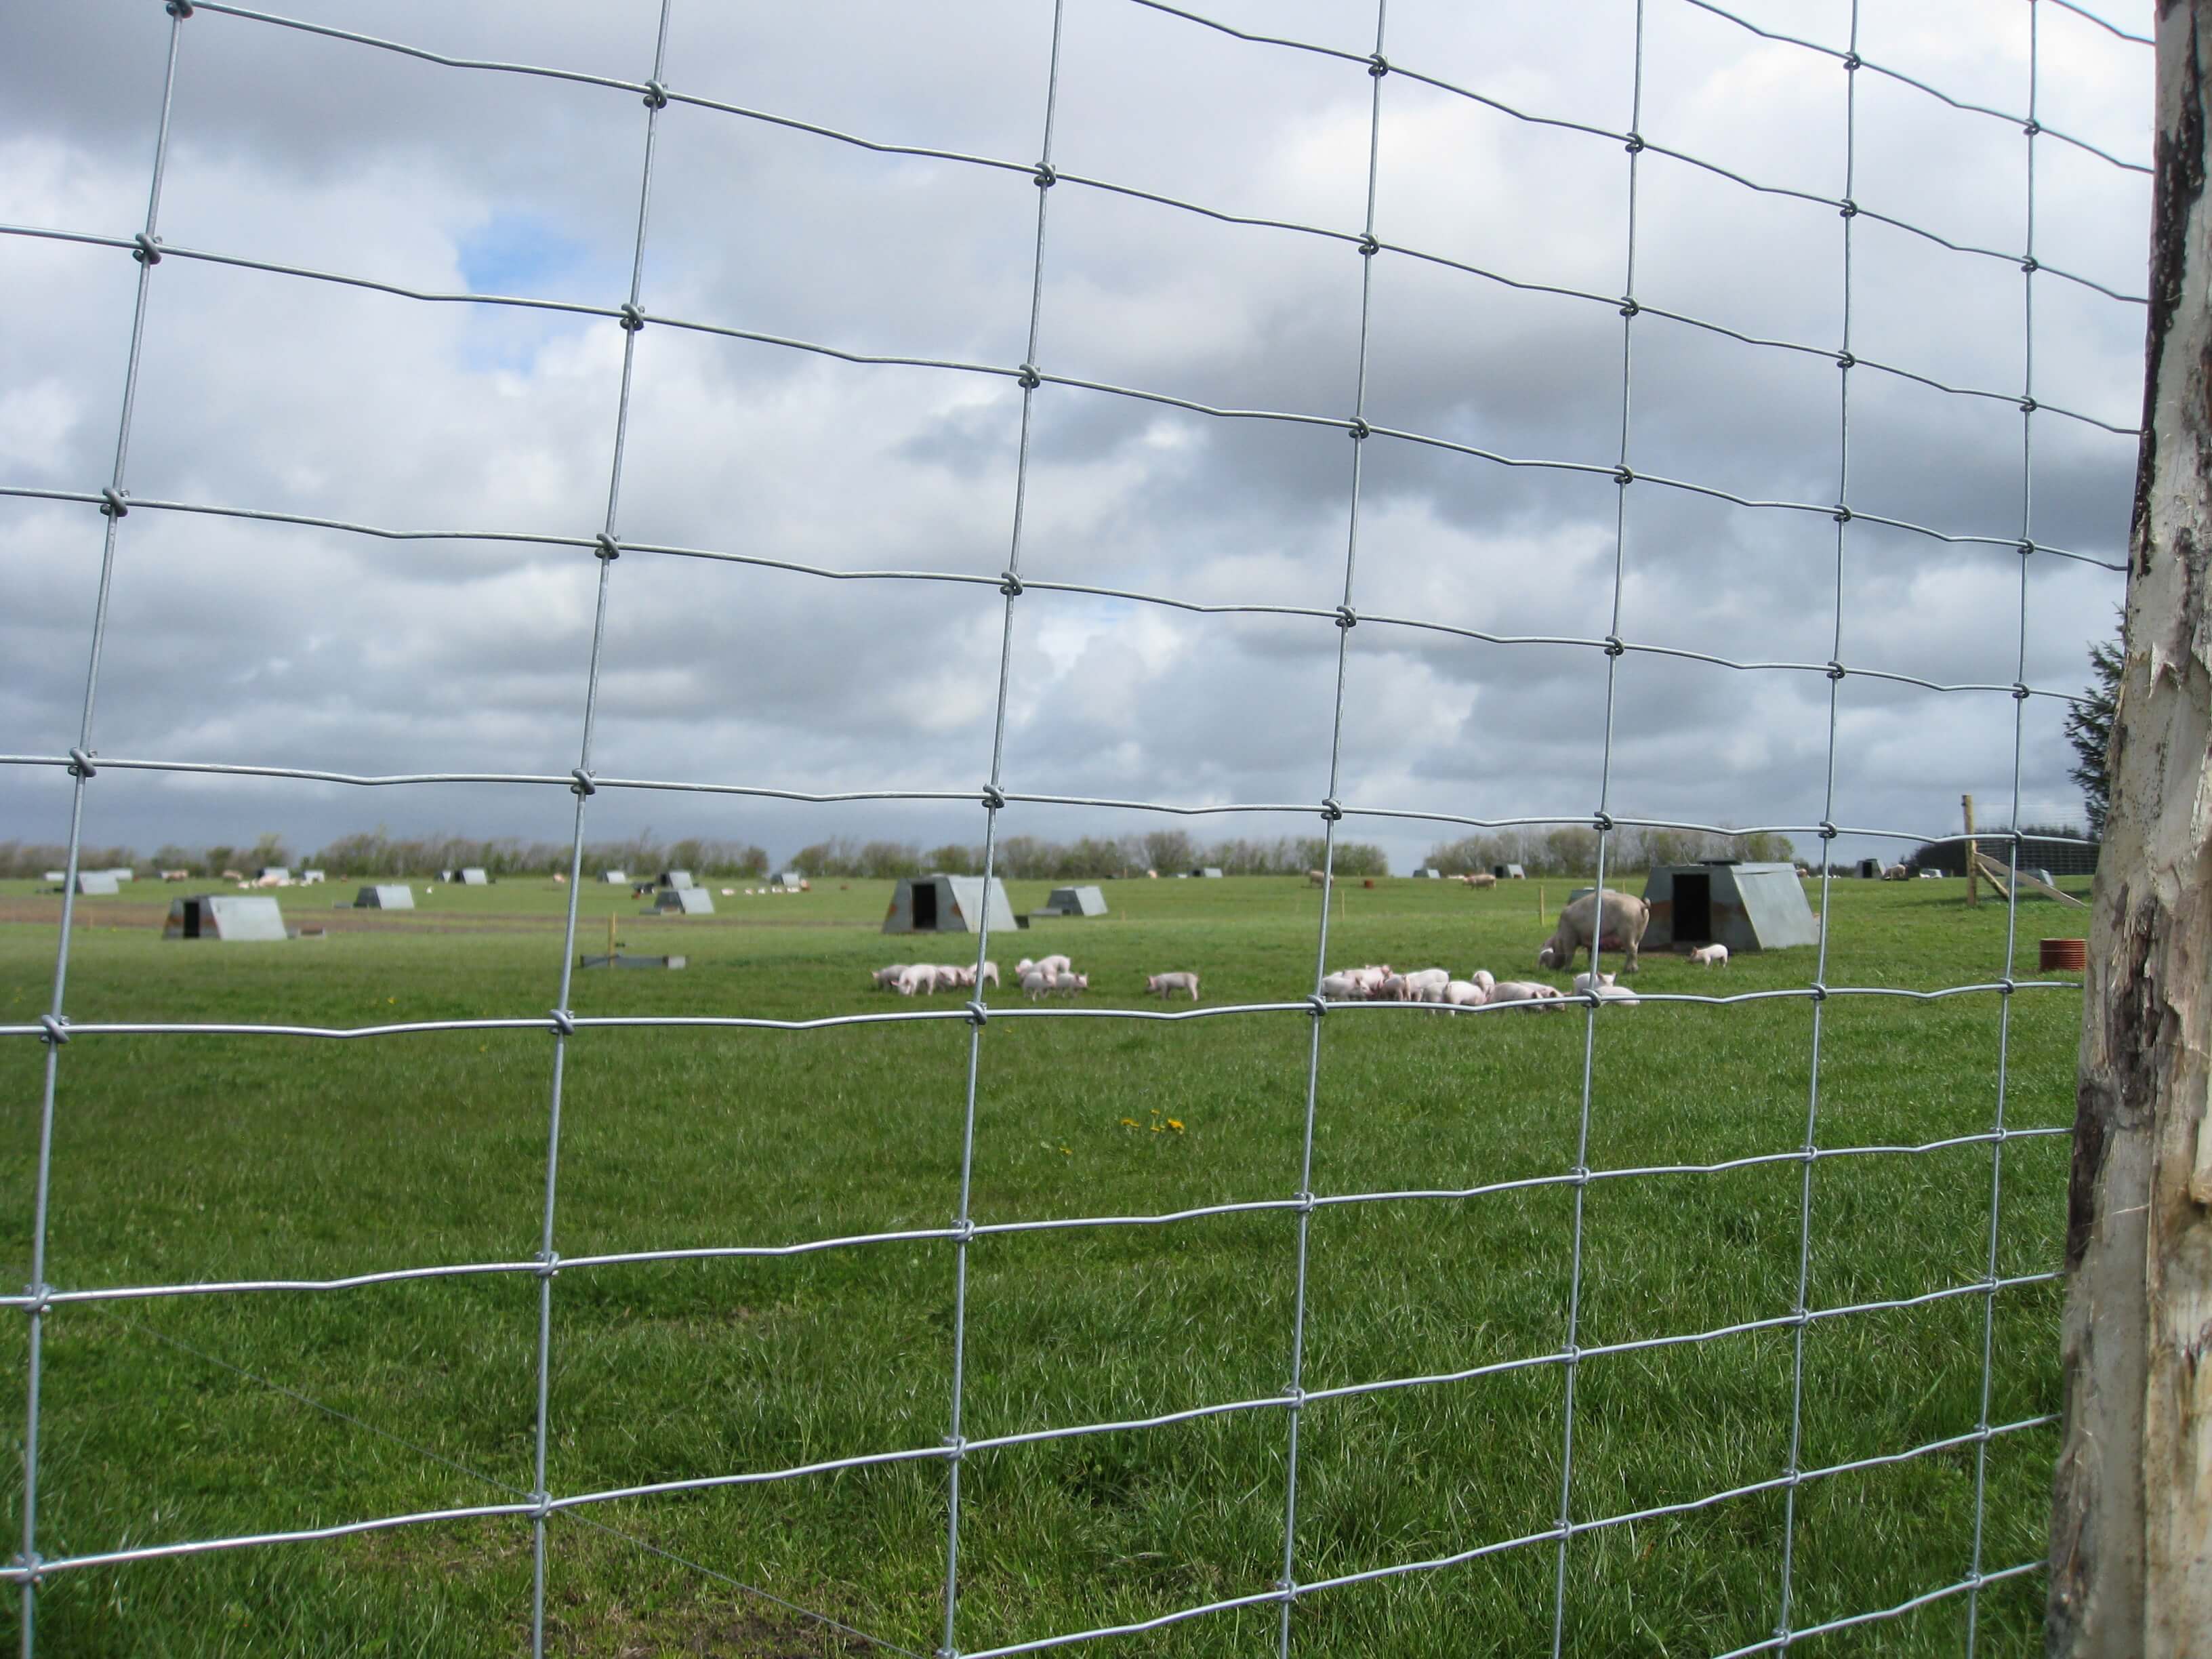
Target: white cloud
251,642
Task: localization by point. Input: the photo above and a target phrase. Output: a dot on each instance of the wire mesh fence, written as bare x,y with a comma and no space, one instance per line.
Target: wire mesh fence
198,28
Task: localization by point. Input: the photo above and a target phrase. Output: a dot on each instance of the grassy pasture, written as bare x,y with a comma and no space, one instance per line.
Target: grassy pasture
204,1158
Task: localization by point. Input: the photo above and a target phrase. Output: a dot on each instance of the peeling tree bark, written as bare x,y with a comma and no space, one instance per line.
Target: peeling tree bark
2131,1531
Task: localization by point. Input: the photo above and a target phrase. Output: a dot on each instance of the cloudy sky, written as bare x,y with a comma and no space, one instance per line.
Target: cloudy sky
253,642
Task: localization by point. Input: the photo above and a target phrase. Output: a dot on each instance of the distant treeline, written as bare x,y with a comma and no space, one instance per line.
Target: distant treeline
1021,858
1571,850
376,853
1026,858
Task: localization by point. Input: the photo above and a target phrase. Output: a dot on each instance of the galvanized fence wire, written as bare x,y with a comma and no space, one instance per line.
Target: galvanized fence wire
539,1505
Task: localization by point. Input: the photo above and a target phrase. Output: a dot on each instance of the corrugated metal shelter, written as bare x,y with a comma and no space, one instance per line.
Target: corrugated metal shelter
1212,872
789,880
277,873
1508,873
1430,873
98,883
687,901
310,878
948,904
396,896
1075,902
1746,907
473,876
678,879
614,877
235,919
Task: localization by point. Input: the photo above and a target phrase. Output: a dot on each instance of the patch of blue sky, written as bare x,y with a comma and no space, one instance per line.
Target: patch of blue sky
522,255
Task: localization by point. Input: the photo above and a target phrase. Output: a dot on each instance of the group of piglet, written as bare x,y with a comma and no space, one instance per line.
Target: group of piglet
1055,974
1381,982
922,978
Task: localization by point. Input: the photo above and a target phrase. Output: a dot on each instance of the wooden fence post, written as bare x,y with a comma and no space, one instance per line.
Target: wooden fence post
2131,1532
1974,852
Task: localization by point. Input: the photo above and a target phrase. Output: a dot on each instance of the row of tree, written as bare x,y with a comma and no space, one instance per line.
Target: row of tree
1091,857
1571,849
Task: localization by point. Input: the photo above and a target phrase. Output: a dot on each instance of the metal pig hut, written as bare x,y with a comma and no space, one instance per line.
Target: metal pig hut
393,895
218,916
1075,902
949,904
686,900
1746,907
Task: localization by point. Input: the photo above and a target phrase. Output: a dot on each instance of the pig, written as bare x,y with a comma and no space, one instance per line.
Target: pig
1164,985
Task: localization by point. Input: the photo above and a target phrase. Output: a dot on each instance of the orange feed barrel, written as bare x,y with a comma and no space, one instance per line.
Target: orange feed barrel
2065,955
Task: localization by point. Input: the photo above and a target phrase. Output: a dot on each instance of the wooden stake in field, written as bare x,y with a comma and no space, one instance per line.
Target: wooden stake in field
1974,852
2131,1531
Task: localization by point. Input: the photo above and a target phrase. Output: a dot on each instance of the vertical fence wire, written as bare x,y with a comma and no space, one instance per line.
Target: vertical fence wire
2011,888
80,771
1801,1307
1378,67
1293,1400
564,1024
994,801
1623,476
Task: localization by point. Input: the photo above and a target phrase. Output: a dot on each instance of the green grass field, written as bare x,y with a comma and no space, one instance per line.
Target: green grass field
186,1158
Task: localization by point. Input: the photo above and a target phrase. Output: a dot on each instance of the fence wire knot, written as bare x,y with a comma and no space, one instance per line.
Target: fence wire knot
54,1028
1623,475
2007,986
962,1231
38,1298
2028,266
606,546
145,250
81,764
2030,126
977,1013
1359,429
632,318
1847,209
1346,617
541,1505
1846,361
2027,405
1044,176
1634,145
1027,377
1317,1004
1368,247
548,1263
1304,1206
1828,831
1332,809
656,95
112,504
564,1023
1601,821
1842,515
1851,60
2026,547
993,797
1378,64
1820,990
24,1569
1010,584
1836,670
583,784
2019,694
1614,648
1294,1396
1628,305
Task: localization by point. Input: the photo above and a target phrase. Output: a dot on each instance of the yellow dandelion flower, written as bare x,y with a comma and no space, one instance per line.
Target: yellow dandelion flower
1176,1123
1128,1123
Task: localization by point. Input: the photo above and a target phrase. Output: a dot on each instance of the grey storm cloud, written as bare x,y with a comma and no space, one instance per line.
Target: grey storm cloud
1493,324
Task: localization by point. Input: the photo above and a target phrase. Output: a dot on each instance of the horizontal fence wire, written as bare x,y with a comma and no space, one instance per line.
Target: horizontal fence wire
82,764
